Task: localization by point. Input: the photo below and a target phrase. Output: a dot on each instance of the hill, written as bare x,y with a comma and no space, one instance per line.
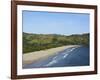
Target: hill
36,42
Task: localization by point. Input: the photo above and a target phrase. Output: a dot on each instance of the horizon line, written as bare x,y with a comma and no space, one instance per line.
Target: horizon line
58,34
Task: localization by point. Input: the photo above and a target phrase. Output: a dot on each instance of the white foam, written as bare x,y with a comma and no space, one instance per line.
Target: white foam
65,55
52,62
55,58
72,49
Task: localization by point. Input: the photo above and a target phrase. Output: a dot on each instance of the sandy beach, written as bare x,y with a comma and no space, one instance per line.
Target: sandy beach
29,58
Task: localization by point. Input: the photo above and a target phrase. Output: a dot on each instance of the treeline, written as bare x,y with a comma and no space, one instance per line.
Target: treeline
36,42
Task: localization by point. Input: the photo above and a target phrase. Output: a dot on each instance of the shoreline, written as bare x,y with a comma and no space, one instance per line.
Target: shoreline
34,56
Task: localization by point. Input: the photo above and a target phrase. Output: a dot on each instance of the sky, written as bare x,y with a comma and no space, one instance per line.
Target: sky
64,23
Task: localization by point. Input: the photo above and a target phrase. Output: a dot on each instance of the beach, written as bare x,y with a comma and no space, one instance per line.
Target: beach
29,58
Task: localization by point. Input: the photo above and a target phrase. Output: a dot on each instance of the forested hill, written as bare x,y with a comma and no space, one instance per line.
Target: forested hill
36,42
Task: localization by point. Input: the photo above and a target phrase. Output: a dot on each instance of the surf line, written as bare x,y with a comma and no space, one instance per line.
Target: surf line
55,59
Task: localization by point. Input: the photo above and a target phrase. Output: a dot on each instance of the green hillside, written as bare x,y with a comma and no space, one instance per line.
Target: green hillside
36,42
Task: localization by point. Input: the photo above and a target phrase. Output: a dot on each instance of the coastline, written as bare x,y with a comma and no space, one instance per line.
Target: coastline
34,56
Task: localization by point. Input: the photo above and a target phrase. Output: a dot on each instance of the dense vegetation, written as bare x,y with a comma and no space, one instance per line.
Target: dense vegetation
36,42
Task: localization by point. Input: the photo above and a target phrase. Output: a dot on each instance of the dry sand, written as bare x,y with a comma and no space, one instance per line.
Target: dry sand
33,56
